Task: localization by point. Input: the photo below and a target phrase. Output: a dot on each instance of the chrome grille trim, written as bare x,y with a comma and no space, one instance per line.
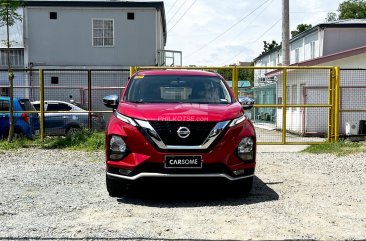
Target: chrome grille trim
154,136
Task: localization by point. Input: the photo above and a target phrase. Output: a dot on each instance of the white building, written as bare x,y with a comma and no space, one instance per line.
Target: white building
81,35
341,43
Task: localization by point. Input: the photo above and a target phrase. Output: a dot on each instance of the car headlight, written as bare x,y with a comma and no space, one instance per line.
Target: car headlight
117,148
125,119
238,120
245,149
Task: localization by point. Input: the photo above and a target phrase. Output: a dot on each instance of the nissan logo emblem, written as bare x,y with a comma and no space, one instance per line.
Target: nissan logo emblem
183,132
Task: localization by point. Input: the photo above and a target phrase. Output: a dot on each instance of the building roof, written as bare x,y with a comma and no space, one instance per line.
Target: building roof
159,6
324,59
346,23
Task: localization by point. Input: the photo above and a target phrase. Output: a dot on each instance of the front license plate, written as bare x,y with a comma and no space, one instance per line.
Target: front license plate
183,161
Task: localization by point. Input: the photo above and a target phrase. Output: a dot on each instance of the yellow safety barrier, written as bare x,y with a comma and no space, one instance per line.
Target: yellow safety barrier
289,78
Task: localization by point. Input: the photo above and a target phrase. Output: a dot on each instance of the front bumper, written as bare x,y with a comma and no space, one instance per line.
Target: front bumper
145,160
161,175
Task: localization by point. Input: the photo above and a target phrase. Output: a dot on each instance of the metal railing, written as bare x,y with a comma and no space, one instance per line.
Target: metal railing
295,108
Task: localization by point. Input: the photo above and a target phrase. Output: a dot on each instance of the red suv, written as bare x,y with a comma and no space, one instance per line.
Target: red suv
179,123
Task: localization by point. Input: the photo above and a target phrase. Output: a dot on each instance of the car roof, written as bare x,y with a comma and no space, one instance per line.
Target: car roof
14,98
183,72
56,101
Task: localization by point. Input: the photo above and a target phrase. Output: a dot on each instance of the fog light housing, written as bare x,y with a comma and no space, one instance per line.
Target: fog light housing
245,149
117,148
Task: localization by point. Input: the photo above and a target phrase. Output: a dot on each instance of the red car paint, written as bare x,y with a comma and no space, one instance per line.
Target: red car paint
143,149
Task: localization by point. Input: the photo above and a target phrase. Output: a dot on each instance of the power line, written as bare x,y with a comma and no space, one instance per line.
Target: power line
190,6
175,13
256,17
228,29
264,33
172,7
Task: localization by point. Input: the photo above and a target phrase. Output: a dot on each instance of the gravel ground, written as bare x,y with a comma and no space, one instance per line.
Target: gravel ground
60,195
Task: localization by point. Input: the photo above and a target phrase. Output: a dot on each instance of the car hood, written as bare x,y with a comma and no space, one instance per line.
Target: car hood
180,111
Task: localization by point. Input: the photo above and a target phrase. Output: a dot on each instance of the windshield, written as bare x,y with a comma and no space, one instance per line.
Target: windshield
26,105
178,89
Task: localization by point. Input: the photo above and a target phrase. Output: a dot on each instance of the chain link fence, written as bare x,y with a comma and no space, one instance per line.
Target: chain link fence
352,102
293,105
72,97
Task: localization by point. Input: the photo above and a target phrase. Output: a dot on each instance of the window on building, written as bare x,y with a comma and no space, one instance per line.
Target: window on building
16,57
130,16
103,35
54,80
312,50
297,55
4,91
53,15
294,95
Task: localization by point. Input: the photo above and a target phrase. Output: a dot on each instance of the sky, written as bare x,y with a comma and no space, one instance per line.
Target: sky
218,32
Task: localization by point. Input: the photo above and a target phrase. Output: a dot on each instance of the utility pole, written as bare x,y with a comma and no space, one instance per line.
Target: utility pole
285,33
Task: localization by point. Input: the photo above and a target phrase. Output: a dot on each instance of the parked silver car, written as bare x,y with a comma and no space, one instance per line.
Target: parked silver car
66,118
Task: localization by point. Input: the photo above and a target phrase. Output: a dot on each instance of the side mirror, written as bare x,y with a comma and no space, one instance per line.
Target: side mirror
111,101
246,103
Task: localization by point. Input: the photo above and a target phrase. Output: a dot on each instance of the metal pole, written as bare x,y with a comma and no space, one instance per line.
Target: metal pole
41,104
331,108
89,101
284,106
133,70
285,33
336,104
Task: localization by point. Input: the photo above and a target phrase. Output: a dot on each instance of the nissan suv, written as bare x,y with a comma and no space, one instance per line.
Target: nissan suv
179,123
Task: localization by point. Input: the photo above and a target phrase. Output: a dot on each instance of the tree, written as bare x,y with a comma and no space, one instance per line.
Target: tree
269,46
352,9
332,16
244,74
300,28
8,17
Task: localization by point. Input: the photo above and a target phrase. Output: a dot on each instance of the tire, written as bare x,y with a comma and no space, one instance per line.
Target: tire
243,186
72,130
18,135
116,188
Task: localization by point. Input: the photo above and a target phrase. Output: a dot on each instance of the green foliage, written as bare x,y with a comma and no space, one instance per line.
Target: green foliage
269,46
340,148
84,140
331,17
244,74
300,28
16,144
8,12
352,9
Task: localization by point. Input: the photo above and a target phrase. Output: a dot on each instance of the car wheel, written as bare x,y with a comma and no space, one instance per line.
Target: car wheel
116,188
18,135
73,130
243,186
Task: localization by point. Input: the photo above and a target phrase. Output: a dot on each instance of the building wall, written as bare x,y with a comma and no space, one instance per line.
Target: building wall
67,40
337,40
304,48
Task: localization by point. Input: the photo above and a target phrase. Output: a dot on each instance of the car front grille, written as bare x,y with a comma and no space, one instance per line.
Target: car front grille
167,130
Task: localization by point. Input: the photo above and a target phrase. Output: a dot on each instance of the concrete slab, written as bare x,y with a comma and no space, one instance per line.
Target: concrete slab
280,148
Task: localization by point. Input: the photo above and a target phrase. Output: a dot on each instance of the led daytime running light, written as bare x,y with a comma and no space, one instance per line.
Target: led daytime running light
125,119
237,121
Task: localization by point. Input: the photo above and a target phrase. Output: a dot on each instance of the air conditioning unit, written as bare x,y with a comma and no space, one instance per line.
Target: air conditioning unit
352,128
